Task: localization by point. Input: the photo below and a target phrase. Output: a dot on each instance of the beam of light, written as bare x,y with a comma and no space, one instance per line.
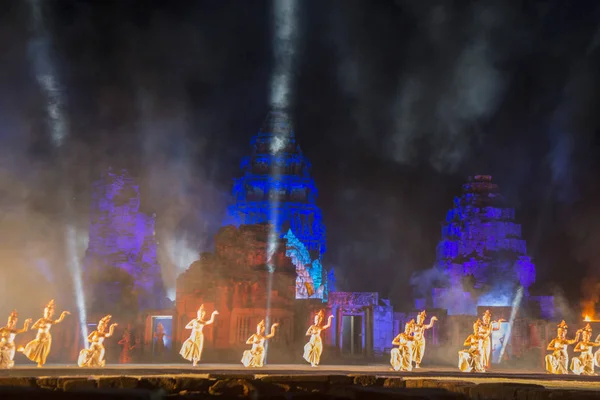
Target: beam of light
76,245
182,255
513,314
45,73
285,23
284,48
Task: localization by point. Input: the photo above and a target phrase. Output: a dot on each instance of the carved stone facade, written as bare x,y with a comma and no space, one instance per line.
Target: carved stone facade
235,280
481,246
121,270
363,324
276,187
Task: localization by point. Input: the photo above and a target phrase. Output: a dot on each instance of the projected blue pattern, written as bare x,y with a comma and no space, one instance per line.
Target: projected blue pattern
309,274
277,174
122,245
481,239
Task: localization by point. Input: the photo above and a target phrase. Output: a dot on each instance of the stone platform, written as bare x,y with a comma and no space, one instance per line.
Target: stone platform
286,382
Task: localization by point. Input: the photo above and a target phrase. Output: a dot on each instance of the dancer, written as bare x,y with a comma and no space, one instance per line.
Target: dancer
7,340
126,347
314,347
192,347
471,360
159,347
38,349
485,331
558,361
401,357
584,364
419,334
255,357
94,356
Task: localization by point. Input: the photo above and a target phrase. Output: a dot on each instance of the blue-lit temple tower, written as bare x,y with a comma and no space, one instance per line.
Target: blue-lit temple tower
276,187
120,268
481,244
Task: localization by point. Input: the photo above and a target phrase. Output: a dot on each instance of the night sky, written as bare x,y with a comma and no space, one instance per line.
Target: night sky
395,103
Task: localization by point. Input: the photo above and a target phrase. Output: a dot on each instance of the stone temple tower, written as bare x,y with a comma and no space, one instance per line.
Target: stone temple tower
482,242
276,187
120,266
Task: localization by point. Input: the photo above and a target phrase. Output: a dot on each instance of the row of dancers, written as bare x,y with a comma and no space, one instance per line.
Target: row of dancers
192,348
408,355
38,349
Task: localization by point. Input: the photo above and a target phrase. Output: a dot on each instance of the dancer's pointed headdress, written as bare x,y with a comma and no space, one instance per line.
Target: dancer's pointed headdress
321,314
588,328
477,323
50,305
262,323
105,320
562,325
201,308
487,313
423,314
13,316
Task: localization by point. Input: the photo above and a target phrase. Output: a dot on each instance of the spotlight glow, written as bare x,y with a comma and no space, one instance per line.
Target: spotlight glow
76,245
285,21
45,73
513,314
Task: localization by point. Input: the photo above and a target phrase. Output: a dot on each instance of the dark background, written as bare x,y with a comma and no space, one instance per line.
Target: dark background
394,102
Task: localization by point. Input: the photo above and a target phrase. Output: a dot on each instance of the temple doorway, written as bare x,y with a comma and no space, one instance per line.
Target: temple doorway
352,335
162,326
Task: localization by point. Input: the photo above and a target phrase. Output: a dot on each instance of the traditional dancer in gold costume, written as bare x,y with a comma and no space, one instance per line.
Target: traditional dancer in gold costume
401,357
255,357
192,347
558,361
94,356
584,364
7,340
471,360
419,334
486,328
314,347
38,349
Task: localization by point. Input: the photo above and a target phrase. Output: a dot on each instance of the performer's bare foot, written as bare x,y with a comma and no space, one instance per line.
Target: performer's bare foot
40,365
313,365
417,365
194,363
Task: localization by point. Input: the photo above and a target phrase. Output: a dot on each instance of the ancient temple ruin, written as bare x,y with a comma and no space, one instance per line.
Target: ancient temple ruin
481,253
121,269
276,187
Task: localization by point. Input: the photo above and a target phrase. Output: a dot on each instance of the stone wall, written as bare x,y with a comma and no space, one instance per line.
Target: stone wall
275,387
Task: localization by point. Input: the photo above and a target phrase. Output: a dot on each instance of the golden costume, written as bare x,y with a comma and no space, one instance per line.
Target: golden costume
7,340
471,360
486,328
419,335
94,356
191,349
558,361
584,363
401,357
314,348
38,349
255,357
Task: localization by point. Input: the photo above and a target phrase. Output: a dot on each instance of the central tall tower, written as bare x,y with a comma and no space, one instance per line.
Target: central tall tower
276,187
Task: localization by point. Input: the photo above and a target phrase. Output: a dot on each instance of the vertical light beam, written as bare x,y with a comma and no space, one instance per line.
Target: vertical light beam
513,314
284,27
45,72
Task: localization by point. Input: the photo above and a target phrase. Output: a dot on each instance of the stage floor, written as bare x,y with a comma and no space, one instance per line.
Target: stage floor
224,370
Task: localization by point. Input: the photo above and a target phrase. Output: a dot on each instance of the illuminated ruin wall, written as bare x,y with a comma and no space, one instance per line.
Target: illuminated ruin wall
120,266
481,246
276,187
